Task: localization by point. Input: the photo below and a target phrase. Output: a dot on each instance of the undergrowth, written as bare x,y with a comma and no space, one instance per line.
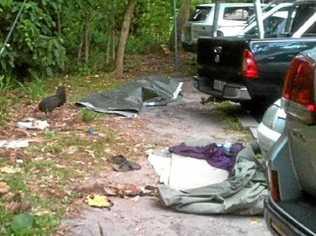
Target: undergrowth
229,113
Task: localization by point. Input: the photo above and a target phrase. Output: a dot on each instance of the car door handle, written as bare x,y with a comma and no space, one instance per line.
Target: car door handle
298,135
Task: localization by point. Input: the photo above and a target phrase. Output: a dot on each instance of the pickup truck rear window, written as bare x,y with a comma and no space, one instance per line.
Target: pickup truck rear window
300,15
200,13
273,25
238,13
311,32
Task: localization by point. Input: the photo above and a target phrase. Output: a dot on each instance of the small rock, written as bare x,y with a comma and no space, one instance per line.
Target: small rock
92,131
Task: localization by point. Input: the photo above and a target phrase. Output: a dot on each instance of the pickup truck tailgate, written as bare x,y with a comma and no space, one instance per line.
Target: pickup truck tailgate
221,57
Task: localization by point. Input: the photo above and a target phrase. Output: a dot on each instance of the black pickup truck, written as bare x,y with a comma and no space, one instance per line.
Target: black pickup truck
251,71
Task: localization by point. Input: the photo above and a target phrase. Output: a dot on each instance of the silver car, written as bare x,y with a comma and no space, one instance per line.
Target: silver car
271,127
236,19
232,19
291,208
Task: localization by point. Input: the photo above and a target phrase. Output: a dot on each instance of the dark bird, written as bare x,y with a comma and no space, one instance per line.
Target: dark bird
49,104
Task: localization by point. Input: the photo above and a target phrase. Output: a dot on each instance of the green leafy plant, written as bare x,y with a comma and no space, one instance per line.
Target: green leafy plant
88,116
6,83
4,109
34,89
35,45
22,224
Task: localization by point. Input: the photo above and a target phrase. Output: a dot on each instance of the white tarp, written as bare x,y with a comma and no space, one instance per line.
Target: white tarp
181,173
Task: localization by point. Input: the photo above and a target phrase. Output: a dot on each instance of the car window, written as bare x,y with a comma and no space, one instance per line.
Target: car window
274,25
200,13
238,13
311,32
300,15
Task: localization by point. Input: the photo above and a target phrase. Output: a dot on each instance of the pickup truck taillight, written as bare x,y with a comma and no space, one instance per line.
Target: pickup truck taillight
299,83
249,67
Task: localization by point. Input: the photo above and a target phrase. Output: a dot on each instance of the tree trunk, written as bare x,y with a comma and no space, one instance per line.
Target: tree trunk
58,22
113,46
184,15
182,18
79,55
123,38
108,50
87,40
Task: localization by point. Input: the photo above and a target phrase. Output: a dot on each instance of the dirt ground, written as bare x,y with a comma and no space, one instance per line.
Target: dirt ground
156,128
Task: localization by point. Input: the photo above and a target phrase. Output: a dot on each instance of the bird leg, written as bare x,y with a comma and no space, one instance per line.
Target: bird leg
47,115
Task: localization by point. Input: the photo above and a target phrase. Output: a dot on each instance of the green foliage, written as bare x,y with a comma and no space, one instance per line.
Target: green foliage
35,46
58,36
153,21
6,84
4,109
34,90
87,116
22,224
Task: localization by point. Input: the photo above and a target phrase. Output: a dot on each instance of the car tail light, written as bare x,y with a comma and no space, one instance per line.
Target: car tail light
299,83
250,68
274,185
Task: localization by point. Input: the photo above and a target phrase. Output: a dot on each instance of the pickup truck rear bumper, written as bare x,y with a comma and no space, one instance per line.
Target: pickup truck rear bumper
230,91
279,223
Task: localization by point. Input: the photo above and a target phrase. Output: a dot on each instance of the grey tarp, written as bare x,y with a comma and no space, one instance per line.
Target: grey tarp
131,97
241,194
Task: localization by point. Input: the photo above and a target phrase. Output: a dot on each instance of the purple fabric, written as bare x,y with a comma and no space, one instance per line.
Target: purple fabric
216,156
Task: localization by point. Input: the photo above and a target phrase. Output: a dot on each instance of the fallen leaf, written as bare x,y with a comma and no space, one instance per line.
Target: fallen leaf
10,170
41,212
72,150
99,201
4,188
17,207
8,197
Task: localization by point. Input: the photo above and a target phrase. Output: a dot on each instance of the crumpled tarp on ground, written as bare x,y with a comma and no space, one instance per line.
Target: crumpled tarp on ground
130,98
242,193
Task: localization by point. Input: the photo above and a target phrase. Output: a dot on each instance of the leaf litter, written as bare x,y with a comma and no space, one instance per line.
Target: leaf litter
64,154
